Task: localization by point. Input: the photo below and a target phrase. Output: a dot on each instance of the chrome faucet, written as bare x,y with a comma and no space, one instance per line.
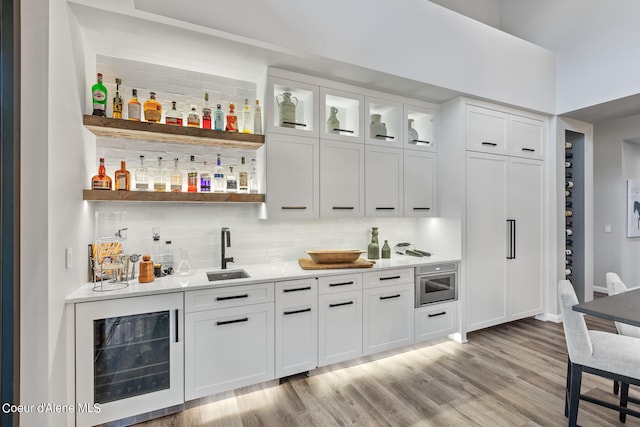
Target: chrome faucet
225,243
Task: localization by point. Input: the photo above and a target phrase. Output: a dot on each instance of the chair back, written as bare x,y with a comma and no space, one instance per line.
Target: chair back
614,284
576,333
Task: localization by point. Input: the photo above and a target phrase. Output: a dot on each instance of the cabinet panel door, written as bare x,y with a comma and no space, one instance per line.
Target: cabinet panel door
525,279
292,177
388,317
420,184
383,182
228,348
435,321
487,243
341,179
486,130
339,327
527,137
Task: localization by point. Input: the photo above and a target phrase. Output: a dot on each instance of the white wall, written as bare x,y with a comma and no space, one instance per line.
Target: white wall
485,11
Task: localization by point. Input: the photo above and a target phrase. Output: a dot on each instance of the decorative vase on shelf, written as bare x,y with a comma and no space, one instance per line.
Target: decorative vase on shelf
386,250
373,250
377,129
287,104
333,124
412,134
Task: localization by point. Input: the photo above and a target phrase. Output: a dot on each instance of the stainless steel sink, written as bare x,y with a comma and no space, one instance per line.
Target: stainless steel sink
214,276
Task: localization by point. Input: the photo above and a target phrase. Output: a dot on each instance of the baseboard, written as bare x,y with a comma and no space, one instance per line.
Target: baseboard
548,317
601,289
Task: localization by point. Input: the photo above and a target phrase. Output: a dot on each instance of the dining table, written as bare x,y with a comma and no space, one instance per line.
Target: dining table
623,307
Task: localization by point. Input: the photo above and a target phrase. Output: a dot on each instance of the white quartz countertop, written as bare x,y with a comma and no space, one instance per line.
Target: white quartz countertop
258,273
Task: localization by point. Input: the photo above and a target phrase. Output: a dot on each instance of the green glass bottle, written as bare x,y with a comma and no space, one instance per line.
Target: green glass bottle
99,95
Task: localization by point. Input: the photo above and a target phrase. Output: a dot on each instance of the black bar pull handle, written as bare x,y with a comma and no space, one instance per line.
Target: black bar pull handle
343,130
304,310
390,296
421,209
229,322
385,209
492,144
177,324
385,136
514,239
294,207
531,150
341,284
390,278
232,297
442,313
343,208
294,124
306,288
339,304
415,141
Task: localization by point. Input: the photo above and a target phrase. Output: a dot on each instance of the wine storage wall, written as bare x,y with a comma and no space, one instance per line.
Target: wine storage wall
574,211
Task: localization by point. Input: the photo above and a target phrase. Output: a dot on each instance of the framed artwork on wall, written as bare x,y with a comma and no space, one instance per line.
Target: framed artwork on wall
633,208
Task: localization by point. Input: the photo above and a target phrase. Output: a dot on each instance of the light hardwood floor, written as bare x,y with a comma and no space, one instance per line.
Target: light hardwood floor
509,375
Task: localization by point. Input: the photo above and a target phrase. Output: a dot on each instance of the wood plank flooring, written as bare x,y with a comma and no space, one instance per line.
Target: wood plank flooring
509,375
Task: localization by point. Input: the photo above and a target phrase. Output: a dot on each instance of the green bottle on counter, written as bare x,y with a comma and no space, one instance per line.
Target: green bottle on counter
386,250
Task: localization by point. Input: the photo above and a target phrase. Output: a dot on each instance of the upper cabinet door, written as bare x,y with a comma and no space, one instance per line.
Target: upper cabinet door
341,115
292,107
486,130
383,122
341,179
383,182
420,184
420,128
526,137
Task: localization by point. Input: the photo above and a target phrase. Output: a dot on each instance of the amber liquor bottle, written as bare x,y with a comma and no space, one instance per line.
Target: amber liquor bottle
117,101
133,106
152,109
101,181
232,119
123,177
206,112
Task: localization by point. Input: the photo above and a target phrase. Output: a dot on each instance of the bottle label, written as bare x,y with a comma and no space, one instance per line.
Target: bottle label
174,121
101,184
134,111
159,186
121,179
244,181
193,120
232,185
99,97
152,115
192,179
176,187
143,186
232,123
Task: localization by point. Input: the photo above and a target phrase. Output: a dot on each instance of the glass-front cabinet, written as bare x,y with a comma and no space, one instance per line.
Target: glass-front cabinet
129,357
383,127
294,107
341,115
420,125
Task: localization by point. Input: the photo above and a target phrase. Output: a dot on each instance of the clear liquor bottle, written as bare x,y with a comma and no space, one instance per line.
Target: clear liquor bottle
206,112
247,118
176,177
152,109
193,118
173,116
232,181
243,177
253,178
134,108
123,177
142,176
257,119
99,96
192,176
101,181
232,119
117,101
205,178
219,184
218,118
160,177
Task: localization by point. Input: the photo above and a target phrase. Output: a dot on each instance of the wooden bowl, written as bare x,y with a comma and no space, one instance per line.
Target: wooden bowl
334,256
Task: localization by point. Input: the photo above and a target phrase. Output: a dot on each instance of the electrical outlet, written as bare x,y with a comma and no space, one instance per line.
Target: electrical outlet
274,252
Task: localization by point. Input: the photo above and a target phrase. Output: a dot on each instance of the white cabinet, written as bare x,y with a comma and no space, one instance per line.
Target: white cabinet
345,107
504,239
227,348
383,119
526,137
303,100
129,356
341,179
383,181
296,322
388,317
293,176
339,318
420,183
435,321
421,128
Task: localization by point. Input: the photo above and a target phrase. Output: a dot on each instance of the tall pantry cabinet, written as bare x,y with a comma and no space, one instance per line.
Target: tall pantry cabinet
497,189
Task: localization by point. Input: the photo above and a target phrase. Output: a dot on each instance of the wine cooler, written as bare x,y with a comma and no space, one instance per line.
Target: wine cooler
575,211
129,357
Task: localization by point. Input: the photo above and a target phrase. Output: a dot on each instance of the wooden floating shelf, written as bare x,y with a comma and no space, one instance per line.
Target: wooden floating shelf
184,197
128,129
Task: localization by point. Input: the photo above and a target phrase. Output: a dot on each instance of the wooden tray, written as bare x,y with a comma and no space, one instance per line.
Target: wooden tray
308,264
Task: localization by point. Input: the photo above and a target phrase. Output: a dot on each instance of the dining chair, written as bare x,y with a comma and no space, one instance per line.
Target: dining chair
608,355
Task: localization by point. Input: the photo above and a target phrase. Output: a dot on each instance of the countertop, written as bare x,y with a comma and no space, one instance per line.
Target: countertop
259,273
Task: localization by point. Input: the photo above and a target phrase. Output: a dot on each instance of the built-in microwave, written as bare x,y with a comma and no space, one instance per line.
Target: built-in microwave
436,283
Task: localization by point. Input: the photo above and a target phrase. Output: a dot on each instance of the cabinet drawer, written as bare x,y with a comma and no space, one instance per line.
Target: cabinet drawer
294,292
341,283
435,321
388,277
233,296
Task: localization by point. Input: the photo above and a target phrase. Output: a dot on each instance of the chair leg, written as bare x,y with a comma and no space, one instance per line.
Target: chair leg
566,389
616,387
574,393
624,398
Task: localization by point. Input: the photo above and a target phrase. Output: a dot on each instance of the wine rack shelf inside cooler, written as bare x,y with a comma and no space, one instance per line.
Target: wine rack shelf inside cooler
128,129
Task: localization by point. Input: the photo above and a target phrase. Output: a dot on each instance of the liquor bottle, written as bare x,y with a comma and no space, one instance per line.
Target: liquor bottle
101,181
99,95
173,116
117,101
257,119
232,119
205,179
247,118
167,258
160,177
219,184
232,181
142,176
218,118
253,178
133,106
193,118
122,177
243,177
206,112
152,109
176,177
192,177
